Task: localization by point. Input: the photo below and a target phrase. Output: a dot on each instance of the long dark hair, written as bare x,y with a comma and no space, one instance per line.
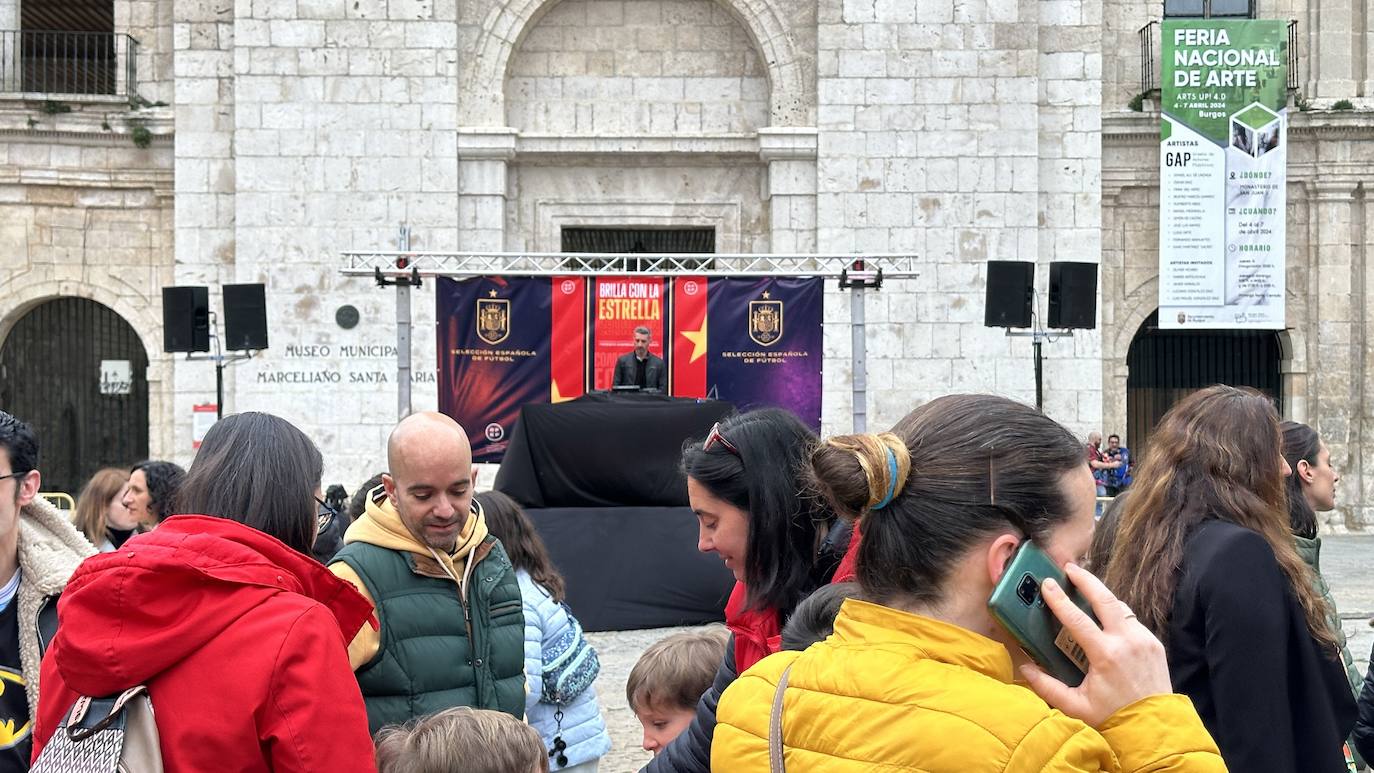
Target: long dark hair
967,466
164,481
785,524
1300,443
260,470
1213,455
508,523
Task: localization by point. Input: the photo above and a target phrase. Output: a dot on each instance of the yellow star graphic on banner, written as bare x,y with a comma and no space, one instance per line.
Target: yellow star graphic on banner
767,295
698,339
556,396
492,293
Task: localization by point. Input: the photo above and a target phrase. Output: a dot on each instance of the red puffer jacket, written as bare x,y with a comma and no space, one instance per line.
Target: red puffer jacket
241,641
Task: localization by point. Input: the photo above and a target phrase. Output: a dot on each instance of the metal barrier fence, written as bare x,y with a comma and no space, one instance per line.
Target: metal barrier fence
60,500
55,63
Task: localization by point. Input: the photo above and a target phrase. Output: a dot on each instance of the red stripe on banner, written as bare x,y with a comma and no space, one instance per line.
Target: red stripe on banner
689,336
568,344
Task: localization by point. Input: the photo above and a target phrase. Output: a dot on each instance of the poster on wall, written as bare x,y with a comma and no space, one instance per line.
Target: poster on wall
623,304
755,342
496,339
1222,163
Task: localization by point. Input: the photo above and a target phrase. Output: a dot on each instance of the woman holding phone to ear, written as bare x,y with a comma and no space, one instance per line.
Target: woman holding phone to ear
919,676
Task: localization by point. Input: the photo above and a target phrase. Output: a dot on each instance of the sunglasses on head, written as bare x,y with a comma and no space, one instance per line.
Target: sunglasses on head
714,437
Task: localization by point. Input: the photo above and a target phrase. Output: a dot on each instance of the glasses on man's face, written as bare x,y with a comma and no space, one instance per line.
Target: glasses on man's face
715,437
18,476
326,515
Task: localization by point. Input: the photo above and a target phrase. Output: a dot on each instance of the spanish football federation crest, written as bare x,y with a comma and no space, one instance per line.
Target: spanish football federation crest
493,319
765,321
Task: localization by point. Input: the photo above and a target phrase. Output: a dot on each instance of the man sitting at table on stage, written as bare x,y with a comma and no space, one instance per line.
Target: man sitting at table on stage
640,367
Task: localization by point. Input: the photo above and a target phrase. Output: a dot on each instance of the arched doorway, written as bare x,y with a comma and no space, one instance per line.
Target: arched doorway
1164,366
62,370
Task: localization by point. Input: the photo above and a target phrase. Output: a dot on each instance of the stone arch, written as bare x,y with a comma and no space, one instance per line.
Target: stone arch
139,316
792,94
142,313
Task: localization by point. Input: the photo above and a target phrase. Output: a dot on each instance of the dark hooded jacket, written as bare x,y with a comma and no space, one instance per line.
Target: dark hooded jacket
241,641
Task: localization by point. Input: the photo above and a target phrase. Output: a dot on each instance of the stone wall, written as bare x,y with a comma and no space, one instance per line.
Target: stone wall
84,212
961,132
636,67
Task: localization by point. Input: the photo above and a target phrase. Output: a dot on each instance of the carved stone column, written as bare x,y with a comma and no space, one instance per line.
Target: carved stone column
484,154
791,157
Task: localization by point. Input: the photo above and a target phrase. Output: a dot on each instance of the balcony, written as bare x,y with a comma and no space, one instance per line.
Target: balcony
1150,58
68,63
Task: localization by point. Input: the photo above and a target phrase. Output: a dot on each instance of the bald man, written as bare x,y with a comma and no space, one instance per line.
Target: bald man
452,627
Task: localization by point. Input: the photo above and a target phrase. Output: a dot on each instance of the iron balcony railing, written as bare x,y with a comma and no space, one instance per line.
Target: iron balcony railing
34,62
1150,61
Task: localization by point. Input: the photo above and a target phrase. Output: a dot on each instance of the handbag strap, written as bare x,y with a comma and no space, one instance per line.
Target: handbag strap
775,760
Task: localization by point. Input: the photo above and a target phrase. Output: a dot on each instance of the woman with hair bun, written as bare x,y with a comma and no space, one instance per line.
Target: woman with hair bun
919,676
1205,555
744,484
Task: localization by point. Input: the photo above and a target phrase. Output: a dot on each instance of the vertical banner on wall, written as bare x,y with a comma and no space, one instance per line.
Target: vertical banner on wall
1223,158
495,338
623,304
753,342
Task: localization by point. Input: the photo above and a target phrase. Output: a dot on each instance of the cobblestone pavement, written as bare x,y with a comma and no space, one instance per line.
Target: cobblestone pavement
1346,562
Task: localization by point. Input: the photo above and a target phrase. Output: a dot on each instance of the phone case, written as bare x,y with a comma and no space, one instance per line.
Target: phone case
1033,624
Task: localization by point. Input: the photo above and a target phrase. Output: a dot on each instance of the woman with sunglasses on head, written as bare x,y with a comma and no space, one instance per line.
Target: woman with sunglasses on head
919,676
1204,554
239,636
743,481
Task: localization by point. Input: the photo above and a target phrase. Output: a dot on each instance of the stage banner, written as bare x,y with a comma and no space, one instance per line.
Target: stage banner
622,304
1222,163
495,340
764,343
688,359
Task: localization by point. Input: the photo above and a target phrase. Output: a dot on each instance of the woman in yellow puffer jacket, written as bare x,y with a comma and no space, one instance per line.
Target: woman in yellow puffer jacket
920,677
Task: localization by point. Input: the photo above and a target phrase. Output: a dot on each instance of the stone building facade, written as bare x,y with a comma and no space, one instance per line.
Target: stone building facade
279,133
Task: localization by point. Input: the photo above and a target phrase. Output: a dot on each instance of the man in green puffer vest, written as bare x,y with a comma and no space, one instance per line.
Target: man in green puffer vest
452,625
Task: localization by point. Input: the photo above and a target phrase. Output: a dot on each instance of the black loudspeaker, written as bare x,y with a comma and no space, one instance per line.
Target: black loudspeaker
185,319
1073,295
1010,284
245,317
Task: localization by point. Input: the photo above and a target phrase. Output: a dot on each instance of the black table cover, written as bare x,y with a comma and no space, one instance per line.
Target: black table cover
634,567
604,450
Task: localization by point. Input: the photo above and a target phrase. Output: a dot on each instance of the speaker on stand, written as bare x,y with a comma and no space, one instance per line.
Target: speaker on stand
185,319
1011,285
1072,303
245,317
187,326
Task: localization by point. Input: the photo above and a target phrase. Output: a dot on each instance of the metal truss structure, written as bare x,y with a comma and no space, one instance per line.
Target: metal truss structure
398,264
404,269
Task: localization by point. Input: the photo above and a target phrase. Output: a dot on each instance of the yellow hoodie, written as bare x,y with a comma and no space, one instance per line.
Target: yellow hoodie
382,526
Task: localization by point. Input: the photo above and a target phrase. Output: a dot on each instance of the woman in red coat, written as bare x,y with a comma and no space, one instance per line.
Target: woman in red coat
240,637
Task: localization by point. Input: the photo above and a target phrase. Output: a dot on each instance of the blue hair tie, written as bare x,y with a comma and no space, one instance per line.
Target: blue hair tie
891,480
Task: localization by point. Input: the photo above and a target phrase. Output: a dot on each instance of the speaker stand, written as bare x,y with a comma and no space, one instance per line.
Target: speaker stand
221,361
1038,339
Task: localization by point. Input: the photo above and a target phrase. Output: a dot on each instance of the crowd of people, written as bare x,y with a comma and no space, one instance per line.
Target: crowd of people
422,627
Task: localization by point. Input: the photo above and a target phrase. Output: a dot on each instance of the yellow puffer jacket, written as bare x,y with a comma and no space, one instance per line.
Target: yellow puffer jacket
893,691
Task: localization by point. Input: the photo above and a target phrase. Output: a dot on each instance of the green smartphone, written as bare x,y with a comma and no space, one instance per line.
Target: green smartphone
1016,603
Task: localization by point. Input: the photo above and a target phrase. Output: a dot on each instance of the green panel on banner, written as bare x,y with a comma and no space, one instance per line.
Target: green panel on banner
1211,68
